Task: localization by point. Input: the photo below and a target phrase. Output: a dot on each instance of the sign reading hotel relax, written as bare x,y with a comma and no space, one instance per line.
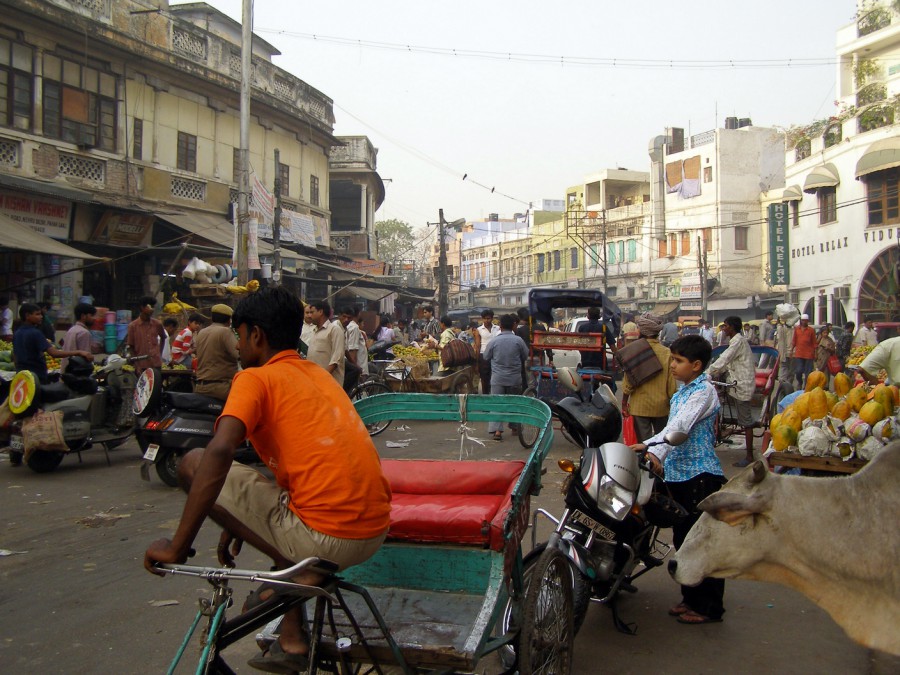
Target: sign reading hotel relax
44,215
779,263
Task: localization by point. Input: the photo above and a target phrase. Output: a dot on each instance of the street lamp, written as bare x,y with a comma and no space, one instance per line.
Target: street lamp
442,259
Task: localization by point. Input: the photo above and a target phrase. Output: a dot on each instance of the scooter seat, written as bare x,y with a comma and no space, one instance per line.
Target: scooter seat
194,402
53,393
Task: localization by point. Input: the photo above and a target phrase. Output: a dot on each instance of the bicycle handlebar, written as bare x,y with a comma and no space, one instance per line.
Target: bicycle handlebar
313,564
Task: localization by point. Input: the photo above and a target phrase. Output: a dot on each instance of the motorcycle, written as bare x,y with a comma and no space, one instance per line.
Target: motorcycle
614,505
96,408
169,423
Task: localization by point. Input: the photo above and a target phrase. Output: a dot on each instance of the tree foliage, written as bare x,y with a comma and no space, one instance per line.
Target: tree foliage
395,240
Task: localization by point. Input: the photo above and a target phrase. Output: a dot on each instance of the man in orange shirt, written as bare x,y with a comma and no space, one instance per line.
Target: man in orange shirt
804,342
325,503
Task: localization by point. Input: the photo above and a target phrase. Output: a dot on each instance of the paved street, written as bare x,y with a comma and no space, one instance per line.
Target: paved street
74,597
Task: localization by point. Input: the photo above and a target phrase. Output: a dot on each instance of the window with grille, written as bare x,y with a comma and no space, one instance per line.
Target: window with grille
741,237
827,205
795,214
137,142
79,104
574,255
185,188
632,250
314,190
9,152
284,175
189,44
341,243
540,263
187,152
15,85
557,260
86,168
883,197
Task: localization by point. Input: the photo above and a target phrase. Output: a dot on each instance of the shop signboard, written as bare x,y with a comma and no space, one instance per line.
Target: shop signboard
779,263
690,286
44,215
128,229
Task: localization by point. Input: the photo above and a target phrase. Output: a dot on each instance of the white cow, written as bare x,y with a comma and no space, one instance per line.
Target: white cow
836,540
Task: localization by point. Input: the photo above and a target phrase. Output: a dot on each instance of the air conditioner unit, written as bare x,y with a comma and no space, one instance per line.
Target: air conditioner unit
841,292
794,297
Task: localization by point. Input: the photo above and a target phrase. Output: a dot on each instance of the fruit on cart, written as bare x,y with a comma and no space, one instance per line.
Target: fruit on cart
883,394
884,430
775,422
842,384
817,403
832,399
801,405
784,437
813,442
868,448
844,447
858,354
816,379
857,430
857,398
5,346
841,410
52,363
791,418
872,413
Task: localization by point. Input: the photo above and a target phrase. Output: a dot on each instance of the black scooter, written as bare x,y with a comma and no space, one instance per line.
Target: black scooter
170,423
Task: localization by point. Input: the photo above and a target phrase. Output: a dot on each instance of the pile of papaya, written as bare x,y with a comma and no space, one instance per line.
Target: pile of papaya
851,421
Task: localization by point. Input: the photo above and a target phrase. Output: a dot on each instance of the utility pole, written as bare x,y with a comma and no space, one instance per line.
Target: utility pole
276,226
701,265
243,219
442,265
605,254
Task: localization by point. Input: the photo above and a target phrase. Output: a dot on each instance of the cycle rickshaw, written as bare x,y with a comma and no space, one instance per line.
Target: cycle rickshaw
546,386
442,592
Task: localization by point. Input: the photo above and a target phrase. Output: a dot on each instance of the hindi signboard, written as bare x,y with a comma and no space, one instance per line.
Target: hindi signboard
779,263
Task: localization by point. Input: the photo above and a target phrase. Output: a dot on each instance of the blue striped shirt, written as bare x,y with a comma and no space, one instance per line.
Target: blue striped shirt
693,411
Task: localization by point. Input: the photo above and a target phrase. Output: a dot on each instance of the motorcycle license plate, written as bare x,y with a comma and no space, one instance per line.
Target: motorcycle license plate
16,443
150,455
602,530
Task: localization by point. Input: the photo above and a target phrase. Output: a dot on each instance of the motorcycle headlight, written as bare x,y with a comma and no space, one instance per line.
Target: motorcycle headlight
613,499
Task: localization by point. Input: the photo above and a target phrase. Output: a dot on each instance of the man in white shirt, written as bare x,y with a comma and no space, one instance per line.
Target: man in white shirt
483,336
867,335
327,344
355,343
737,362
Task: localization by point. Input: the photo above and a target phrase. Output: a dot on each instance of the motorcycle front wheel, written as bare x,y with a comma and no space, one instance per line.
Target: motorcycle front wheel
547,634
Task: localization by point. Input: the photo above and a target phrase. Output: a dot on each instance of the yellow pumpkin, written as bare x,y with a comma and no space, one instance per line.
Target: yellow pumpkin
841,410
842,384
801,405
856,398
791,418
818,403
872,413
816,379
784,437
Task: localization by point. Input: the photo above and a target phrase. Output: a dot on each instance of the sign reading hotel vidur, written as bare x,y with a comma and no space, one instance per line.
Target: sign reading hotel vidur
779,262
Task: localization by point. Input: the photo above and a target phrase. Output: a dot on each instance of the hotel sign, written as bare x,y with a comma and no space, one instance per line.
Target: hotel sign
779,262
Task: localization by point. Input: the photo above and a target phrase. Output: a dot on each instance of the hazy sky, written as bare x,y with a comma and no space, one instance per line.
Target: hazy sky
531,127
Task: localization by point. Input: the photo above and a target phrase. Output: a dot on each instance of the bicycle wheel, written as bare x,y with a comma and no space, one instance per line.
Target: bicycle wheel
548,633
528,434
365,390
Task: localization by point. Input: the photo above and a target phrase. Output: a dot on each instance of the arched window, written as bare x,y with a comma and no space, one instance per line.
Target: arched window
833,134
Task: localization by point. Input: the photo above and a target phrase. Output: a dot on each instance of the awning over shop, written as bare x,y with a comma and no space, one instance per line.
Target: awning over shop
663,308
823,176
23,238
881,155
792,194
371,294
43,188
218,230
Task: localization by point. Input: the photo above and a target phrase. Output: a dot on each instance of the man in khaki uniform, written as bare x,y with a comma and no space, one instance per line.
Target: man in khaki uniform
217,355
649,402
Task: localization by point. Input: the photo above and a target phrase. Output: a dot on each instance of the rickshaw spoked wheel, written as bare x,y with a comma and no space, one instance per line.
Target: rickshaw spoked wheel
528,434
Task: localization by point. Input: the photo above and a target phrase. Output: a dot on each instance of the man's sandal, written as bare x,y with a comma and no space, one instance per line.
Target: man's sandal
692,618
679,609
276,660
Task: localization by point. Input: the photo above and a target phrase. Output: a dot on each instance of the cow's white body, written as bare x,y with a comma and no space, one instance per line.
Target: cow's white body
836,540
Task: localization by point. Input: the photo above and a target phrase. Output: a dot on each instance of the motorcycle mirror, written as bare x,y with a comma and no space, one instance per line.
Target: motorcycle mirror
676,437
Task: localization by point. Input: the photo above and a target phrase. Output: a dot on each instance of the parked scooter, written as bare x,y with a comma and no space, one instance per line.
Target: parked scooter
96,408
170,423
615,505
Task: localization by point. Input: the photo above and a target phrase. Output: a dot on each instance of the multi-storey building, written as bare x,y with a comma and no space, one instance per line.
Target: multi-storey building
843,182
127,143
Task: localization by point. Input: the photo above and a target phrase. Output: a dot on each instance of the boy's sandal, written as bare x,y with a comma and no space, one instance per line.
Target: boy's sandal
691,617
498,436
276,660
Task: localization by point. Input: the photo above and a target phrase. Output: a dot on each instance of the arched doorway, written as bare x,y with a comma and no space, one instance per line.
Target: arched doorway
878,289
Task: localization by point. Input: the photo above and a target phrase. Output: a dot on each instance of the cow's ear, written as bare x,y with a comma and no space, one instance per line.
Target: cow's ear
732,508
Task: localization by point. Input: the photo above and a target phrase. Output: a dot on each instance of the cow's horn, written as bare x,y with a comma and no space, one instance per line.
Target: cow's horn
759,471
